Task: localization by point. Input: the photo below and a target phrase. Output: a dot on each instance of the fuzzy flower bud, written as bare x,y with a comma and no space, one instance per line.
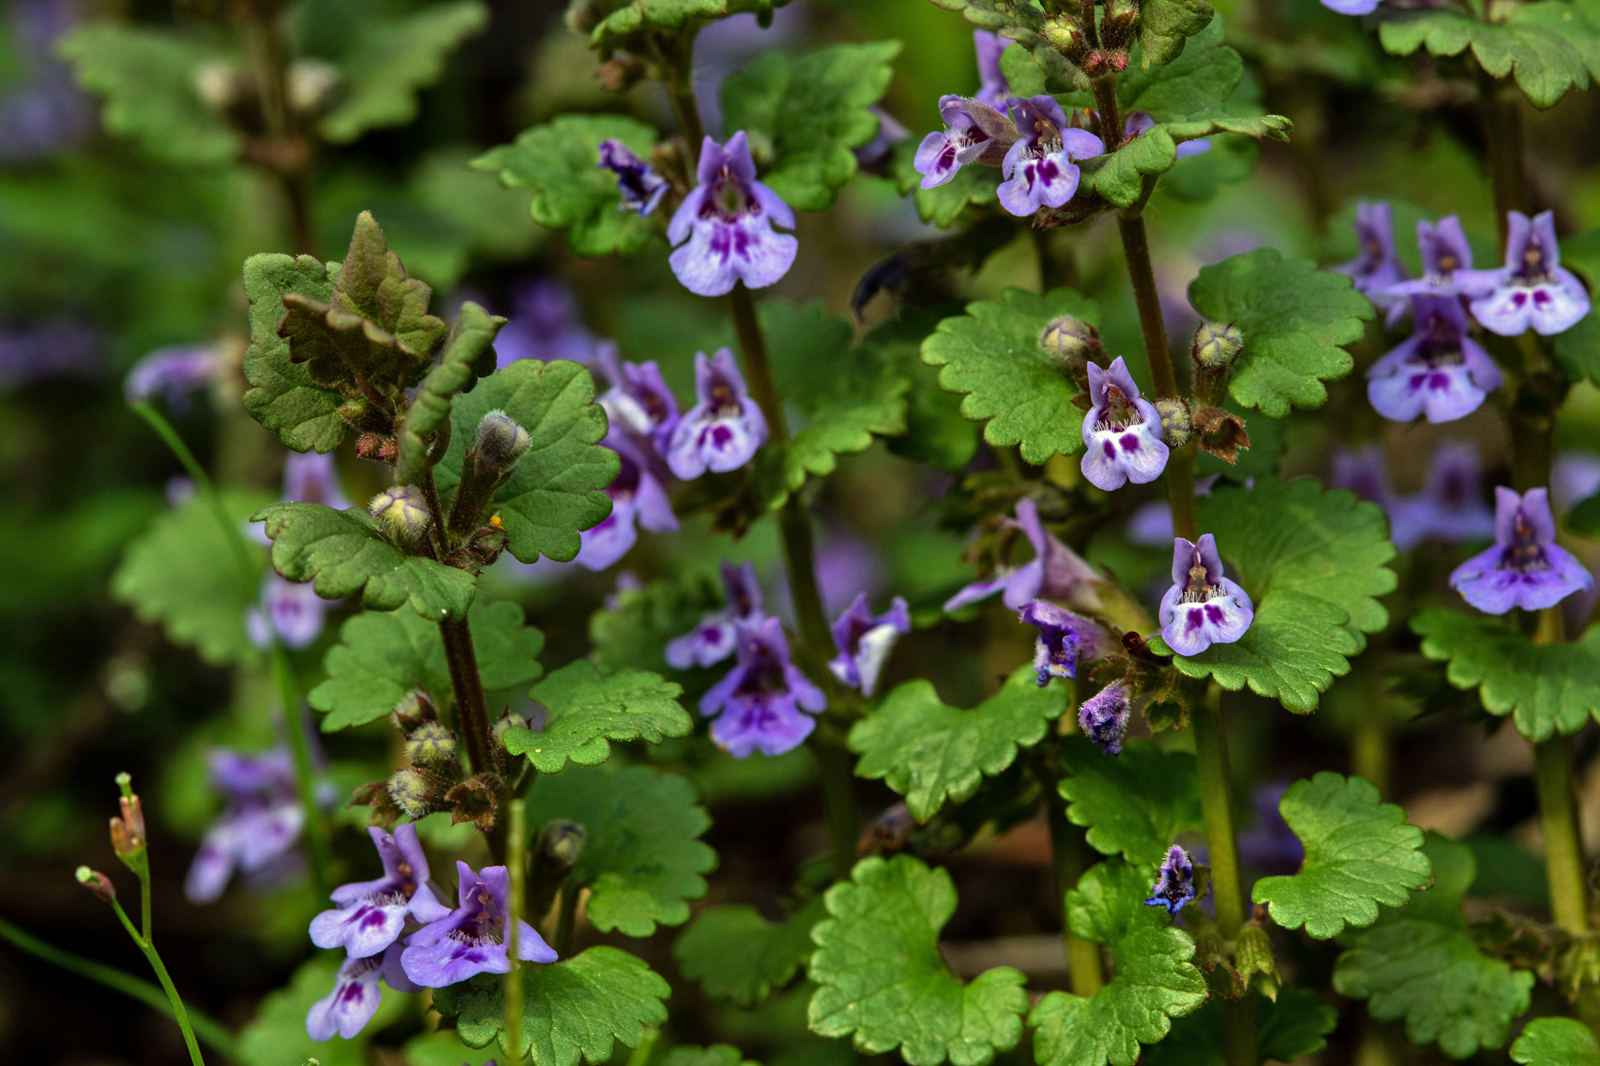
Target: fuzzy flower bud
96,882
403,511
561,843
1120,19
1065,36
1069,343
1175,423
1104,717
430,744
410,792
1216,345
501,441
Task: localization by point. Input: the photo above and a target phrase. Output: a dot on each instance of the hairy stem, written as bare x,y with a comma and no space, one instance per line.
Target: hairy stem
1105,105
517,864
679,79
180,1014
471,709
1068,859
295,725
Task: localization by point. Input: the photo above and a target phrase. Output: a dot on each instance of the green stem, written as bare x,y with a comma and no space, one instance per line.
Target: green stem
680,94
295,725
1502,136
473,712
516,860
1369,746
568,918
248,559
839,801
647,1045
206,1028
180,1014
1558,819
1069,859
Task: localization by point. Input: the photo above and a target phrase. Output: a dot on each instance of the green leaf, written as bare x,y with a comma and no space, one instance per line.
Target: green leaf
390,59
558,486
381,656
1547,689
1556,1042
642,856
1135,803
804,116
468,355
1578,349
283,397
560,162
715,1055
589,708
184,572
1584,517
640,16
1121,176
1165,25
992,354
1294,318
1154,980
1547,47
928,752
1359,852
1022,22
936,433
881,978
444,1048
277,1034
1295,1024
1421,962
148,79
572,1009
738,955
842,423
345,554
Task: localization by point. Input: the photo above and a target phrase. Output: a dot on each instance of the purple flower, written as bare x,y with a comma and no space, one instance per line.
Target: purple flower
994,89
873,156
725,426
1364,472
1056,572
717,635
1450,506
287,612
864,642
962,141
1533,290
355,996
371,914
1445,251
759,705
1376,268
723,229
175,373
1039,166
641,187
1202,607
1104,717
46,111
1138,122
1574,477
1174,883
1122,433
637,397
257,829
1270,845
544,326
57,348
313,478
472,938
1439,371
1525,568
1065,640
636,497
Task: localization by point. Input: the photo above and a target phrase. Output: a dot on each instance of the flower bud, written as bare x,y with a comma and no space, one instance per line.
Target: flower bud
1216,345
413,709
403,511
1253,960
1066,36
411,792
96,882
1175,422
431,744
218,84
1069,343
501,441
560,844
310,83
1119,22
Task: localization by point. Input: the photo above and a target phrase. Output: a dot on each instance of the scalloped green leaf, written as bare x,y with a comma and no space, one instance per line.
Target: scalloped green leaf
560,162
930,753
589,708
805,116
1295,320
642,856
1556,1042
383,655
1022,22
715,1055
736,954
626,19
1547,689
558,486
845,423
1153,981
992,354
1297,1023
578,1008
345,554
881,980
468,354
1421,963
1360,852
1135,803
1166,25
283,397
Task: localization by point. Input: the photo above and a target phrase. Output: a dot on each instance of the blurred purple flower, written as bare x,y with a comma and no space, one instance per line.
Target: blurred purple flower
761,704
175,373
1065,640
256,831
1376,268
1056,572
1439,371
722,431
1174,882
287,611
54,349
1202,607
722,232
1270,845
355,997
46,111
1525,568
865,641
1574,476
716,635
370,915
1151,523
313,478
472,938
1121,432
1104,717
1446,261
637,397
642,188
1039,168
1138,122
1533,290
873,156
725,45
543,325
637,499
994,90
1365,472
1451,505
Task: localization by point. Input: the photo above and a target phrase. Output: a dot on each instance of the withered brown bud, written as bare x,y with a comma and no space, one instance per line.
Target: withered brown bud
620,73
